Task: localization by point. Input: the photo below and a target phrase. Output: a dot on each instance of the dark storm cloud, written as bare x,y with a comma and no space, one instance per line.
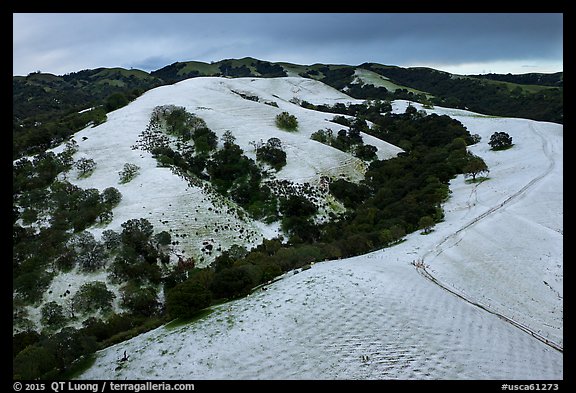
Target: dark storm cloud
60,43
447,37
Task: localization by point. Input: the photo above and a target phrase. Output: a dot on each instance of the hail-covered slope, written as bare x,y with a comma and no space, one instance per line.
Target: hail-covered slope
376,317
168,201
512,239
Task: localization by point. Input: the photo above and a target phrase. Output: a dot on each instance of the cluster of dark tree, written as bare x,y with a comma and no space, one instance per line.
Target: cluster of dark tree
337,77
228,169
37,193
179,71
342,77
263,69
227,69
480,95
179,122
312,73
246,96
348,140
70,210
50,218
363,111
235,175
397,193
37,134
269,70
173,73
366,90
376,111
47,109
555,79
135,258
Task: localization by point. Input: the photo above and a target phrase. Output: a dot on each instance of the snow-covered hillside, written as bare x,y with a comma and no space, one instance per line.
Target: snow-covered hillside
378,316
513,240
167,200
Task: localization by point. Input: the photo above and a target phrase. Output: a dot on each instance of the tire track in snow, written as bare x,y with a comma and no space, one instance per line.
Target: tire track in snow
507,200
421,267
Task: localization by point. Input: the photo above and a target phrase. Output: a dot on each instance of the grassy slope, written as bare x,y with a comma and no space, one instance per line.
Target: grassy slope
371,78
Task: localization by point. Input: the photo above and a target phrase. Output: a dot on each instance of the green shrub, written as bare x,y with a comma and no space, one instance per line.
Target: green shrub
129,172
286,121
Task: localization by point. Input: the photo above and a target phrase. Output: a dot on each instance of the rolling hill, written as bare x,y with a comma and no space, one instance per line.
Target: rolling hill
193,213
46,107
490,272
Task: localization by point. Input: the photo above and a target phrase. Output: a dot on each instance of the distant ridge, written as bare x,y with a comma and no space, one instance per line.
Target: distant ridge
48,108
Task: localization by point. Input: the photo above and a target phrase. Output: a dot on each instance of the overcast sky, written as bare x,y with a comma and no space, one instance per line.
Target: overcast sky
469,43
